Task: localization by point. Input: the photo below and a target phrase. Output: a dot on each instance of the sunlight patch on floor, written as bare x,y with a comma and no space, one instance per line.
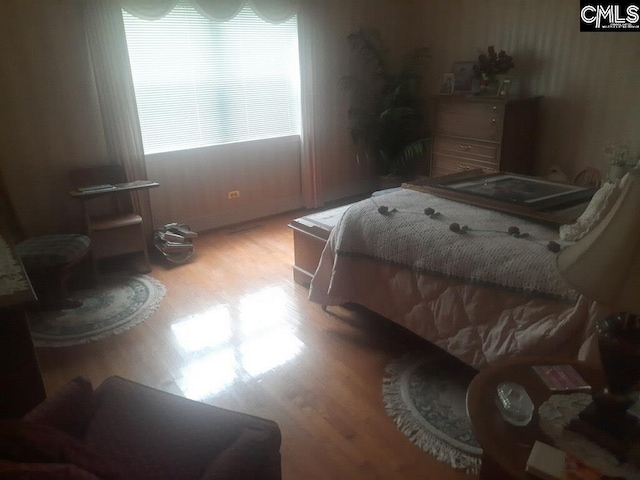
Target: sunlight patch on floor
229,345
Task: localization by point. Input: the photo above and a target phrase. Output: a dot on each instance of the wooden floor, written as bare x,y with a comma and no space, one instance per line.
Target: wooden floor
235,331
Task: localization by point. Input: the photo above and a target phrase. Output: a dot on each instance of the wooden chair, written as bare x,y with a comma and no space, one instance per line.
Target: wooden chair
47,259
111,223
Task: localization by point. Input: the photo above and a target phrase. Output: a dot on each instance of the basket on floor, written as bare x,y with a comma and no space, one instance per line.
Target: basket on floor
175,242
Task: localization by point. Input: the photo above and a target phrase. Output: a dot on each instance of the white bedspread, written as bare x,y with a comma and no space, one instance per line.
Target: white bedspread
486,254
482,295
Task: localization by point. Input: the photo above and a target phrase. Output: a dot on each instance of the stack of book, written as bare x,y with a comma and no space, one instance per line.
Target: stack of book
175,241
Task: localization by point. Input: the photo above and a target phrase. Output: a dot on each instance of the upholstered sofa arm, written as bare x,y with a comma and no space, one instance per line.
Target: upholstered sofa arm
255,454
69,409
30,447
155,434
127,430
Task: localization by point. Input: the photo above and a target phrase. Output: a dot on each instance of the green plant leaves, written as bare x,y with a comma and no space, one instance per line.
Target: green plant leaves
385,112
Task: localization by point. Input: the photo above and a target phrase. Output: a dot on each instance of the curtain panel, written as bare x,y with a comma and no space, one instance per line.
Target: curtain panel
273,11
117,102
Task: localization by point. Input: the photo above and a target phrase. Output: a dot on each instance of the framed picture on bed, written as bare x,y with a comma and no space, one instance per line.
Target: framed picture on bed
530,197
522,190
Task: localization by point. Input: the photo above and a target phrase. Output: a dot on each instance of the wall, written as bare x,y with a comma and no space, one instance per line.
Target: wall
194,184
589,80
50,121
340,171
340,174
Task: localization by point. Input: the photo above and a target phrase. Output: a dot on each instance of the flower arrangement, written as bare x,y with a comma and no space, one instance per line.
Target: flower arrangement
492,63
619,154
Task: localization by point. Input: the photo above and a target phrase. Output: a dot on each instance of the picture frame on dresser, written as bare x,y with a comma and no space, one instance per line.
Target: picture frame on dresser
503,89
447,84
463,73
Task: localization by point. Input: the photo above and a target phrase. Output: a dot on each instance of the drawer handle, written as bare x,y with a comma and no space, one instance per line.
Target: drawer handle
464,147
495,109
493,121
464,167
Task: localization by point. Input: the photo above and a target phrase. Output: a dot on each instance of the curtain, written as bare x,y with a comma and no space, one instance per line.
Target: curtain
308,44
273,11
117,102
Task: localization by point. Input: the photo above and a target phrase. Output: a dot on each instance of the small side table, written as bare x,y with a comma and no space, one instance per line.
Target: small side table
506,448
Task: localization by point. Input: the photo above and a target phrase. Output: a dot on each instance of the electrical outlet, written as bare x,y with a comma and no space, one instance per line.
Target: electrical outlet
233,194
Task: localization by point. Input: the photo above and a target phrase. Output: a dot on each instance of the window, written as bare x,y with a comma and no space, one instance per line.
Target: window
199,82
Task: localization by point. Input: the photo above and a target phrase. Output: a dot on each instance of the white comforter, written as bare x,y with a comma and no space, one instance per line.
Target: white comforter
481,295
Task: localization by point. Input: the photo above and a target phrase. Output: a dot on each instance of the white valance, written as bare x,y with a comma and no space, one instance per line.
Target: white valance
274,11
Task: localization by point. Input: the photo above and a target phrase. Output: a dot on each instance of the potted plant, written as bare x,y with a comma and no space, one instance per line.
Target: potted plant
385,114
489,66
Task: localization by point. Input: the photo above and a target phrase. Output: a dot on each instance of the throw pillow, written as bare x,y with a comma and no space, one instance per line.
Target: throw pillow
598,207
69,409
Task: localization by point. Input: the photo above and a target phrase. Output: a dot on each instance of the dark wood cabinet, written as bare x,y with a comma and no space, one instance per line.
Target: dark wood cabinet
494,134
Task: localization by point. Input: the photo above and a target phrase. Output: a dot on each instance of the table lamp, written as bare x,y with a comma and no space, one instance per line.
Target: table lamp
605,266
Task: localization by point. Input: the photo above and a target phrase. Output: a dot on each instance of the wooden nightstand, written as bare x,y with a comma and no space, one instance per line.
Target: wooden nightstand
310,235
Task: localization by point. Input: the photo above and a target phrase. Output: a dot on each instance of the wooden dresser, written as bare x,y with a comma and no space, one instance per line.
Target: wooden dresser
489,133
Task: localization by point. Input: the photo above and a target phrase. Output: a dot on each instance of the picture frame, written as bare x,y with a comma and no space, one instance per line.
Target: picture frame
532,192
503,89
463,72
528,197
447,84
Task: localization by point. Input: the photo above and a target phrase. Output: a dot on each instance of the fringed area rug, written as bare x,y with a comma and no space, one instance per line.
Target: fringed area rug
425,394
115,305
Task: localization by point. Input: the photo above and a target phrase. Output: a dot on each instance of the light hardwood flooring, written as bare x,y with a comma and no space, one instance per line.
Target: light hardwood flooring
235,331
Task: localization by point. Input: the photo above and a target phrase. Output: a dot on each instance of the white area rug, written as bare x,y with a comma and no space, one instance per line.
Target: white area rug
425,393
117,304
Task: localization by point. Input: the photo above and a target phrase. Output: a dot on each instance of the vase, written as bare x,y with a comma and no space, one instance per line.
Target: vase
489,85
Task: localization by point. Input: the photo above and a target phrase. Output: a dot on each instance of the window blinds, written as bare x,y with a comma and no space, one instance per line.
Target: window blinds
199,82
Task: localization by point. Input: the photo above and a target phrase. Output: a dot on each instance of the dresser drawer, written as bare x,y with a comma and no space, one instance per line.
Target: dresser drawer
469,107
476,126
463,147
443,164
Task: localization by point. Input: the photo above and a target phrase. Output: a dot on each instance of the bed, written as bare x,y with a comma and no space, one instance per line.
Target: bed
475,290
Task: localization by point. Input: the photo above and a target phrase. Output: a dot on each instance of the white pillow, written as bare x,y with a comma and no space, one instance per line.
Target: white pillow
598,207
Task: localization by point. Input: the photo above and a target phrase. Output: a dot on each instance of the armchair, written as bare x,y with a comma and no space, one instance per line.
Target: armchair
127,430
47,259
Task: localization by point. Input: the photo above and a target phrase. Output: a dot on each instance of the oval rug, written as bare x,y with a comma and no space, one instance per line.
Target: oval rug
425,394
118,303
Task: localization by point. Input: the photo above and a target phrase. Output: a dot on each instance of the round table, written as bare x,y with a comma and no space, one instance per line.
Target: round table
507,447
